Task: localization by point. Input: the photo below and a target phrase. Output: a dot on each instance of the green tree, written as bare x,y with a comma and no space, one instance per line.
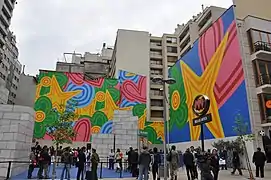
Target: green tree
62,130
241,128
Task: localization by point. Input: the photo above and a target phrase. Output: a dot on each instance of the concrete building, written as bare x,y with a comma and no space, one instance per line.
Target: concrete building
142,53
92,65
9,65
26,92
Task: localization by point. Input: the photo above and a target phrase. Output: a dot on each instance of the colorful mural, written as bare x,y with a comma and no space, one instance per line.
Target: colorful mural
95,100
134,95
213,67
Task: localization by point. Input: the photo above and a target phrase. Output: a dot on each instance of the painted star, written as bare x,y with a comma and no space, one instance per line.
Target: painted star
57,96
204,85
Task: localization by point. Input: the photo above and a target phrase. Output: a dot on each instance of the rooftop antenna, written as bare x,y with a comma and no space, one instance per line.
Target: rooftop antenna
23,70
202,6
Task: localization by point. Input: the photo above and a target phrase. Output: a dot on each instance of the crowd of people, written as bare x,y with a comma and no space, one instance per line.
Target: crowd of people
139,164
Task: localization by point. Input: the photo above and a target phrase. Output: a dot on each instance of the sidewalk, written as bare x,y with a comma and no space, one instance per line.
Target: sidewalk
223,175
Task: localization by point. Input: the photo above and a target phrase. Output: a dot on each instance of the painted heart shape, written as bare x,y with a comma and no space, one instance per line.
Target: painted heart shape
134,92
78,79
83,129
231,74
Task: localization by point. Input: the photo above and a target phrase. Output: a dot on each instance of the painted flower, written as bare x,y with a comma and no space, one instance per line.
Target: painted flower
44,116
178,107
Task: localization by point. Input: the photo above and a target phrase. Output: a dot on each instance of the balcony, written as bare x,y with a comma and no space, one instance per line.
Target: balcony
261,50
3,28
7,11
156,46
10,3
264,81
5,20
2,40
156,66
157,108
155,55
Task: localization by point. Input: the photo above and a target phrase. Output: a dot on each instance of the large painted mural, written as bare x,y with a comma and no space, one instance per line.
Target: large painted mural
134,95
213,67
96,101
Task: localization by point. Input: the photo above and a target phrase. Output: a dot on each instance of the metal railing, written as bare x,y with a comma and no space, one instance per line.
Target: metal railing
264,79
260,45
101,167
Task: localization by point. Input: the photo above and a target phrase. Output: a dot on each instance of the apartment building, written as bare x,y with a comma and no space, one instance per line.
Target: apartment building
92,65
188,33
10,67
254,30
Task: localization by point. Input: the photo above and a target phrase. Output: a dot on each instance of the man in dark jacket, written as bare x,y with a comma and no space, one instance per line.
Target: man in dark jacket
44,161
259,159
67,161
236,163
144,163
129,153
81,163
94,164
134,163
188,160
155,162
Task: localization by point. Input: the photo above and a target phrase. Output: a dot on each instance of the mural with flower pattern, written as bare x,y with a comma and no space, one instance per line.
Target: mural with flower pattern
96,101
213,67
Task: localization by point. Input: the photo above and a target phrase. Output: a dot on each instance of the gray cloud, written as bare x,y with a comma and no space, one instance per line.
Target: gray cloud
47,28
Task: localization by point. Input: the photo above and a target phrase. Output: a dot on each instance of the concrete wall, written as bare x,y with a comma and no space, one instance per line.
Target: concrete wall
260,8
16,132
26,92
3,95
125,128
133,54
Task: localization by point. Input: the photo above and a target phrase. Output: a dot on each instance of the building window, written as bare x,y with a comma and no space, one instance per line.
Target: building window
2,76
172,40
265,107
156,72
171,49
259,40
172,59
155,102
156,92
263,72
156,62
156,114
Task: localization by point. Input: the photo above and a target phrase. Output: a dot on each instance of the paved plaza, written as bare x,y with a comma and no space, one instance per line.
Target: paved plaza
223,175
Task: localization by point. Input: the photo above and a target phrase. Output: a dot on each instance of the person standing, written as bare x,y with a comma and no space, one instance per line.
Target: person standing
155,163
129,159
32,164
67,161
174,163
111,156
224,156
81,163
195,170
134,163
59,152
94,164
118,158
188,160
259,159
44,163
144,163
236,163
215,164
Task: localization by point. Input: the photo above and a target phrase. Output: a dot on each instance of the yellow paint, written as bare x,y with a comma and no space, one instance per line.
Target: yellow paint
195,85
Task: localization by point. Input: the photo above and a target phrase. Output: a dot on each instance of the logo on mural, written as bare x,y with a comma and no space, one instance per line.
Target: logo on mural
201,105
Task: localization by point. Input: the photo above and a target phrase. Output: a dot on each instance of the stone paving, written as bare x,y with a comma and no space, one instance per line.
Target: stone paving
223,175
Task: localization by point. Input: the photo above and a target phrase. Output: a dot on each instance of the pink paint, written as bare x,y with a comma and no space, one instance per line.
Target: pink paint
135,92
78,79
231,74
83,129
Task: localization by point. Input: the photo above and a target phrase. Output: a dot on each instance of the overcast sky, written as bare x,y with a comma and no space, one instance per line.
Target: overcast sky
45,29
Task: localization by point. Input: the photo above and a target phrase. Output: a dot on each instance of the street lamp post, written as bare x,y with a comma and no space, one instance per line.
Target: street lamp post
169,81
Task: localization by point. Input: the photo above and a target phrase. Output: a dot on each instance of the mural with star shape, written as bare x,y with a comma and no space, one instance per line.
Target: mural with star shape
213,67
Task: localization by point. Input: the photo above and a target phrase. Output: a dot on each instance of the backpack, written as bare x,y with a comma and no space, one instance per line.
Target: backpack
169,157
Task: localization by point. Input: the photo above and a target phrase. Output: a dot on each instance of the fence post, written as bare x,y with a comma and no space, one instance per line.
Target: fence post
101,170
9,169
